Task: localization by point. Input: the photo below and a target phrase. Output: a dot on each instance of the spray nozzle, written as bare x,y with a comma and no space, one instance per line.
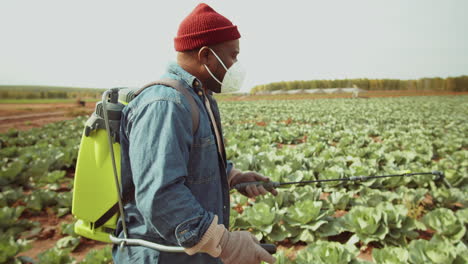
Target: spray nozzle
440,177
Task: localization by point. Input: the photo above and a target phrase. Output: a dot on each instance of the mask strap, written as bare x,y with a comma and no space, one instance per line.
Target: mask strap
212,75
220,61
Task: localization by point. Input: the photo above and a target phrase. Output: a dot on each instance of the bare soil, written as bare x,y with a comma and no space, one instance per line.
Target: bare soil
27,116
51,233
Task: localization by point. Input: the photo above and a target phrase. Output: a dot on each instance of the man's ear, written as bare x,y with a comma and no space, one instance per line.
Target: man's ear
203,55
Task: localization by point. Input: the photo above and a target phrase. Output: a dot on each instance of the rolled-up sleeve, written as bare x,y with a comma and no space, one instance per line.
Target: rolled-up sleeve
160,137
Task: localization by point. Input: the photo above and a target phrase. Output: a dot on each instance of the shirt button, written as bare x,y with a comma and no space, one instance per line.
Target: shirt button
196,83
200,93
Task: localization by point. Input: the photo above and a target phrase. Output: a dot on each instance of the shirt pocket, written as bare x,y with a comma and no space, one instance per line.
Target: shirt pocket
203,161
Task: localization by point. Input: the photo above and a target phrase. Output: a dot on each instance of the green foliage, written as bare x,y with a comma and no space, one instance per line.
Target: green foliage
103,256
68,229
10,224
281,258
446,224
303,212
39,199
68,242
262,216
55,256
53,177
448,198
390,255
340,199
368,224
401,227
350,138
463,215
384,222
10,195
10,228
36,160
9,248
437,252
323,252
38,156
308,216
372,197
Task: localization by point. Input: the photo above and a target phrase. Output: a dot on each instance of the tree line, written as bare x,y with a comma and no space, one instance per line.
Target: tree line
454,84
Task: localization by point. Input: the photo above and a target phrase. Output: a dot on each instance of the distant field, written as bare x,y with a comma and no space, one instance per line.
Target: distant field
24,114
13,93
248,97
43,101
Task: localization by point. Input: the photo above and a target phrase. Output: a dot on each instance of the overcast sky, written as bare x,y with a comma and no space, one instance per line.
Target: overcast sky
129,43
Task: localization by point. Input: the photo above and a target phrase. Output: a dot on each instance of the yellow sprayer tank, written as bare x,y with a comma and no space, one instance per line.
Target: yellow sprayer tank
95,185
95,188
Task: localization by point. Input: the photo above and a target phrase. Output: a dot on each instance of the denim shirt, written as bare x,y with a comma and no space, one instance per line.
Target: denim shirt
179,178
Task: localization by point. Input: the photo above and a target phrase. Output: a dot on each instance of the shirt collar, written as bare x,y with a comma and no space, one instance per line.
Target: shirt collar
191,80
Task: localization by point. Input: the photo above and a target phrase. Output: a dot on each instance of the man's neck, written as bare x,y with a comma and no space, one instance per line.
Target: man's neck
189,70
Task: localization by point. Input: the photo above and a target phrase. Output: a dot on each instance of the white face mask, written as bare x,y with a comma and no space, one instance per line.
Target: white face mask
233,79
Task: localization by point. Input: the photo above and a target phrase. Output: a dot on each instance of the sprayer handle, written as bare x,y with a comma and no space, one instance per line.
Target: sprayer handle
270,248
269,186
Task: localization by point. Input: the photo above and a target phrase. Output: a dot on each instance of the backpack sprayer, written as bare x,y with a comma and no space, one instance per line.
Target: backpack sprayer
440,177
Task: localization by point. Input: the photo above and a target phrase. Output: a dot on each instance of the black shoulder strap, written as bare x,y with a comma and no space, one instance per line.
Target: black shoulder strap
195,111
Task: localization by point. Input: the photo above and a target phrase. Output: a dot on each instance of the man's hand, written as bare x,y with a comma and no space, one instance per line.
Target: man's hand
243,247
232,247
252,190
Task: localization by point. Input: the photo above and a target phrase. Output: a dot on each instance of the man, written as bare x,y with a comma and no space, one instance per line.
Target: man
181,178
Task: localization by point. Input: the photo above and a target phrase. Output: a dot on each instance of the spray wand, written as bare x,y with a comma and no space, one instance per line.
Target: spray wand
440,177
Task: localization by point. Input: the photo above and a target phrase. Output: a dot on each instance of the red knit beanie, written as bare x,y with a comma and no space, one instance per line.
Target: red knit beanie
204,27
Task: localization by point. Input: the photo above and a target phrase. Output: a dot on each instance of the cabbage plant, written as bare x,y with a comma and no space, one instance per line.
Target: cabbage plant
401,227
308,216
262,217
340,199
446,224
450,197
463,215
390,255
368,224
423,251
324,252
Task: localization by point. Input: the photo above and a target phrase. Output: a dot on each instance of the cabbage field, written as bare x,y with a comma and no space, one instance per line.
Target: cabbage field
389,220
